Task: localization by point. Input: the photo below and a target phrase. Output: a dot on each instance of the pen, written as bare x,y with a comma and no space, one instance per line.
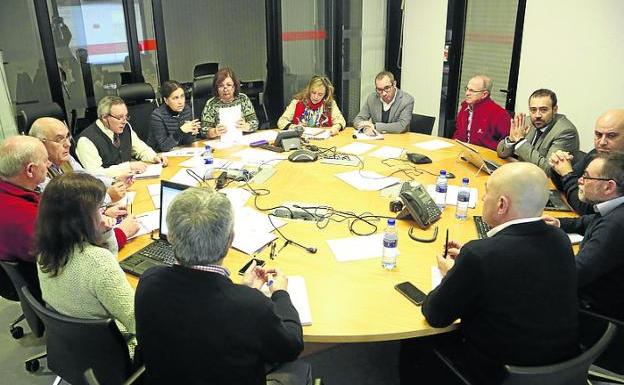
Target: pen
446,244
272,254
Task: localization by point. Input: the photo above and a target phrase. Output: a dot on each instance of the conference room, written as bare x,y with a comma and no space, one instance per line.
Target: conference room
357,319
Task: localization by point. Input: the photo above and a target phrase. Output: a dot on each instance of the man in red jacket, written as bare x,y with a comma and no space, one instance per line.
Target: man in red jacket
480,120
23,166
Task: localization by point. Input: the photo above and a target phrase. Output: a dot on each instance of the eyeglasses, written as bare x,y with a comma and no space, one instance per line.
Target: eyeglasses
60,139
386,89
223,86
121,118
473,91
586,176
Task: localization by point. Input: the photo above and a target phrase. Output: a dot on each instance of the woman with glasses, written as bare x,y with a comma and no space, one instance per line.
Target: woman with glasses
314,106
172,123
228,104
77,253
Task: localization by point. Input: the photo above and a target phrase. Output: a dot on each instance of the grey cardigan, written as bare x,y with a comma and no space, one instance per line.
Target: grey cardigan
400,113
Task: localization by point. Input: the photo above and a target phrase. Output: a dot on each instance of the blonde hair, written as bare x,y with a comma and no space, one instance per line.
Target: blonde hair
318,81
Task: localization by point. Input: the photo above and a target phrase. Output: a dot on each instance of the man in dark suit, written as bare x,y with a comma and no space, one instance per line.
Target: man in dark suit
514,291
387,110
549,132
196,326
608,136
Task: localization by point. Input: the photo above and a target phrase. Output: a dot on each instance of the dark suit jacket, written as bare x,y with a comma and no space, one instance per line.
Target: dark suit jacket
197,327
515,294
569,184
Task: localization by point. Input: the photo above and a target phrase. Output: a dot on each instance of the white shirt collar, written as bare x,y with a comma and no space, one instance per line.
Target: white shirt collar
386,106
503,226
606,207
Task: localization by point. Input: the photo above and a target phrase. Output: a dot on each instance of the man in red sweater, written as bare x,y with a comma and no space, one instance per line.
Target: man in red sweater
23,166
480,120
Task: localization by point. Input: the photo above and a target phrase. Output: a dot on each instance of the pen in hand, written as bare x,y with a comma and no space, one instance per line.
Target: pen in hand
446,244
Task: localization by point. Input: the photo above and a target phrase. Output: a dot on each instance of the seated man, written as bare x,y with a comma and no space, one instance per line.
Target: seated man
197,326
480,120
608,136
23,166
514,291
387,110
599,262
549,132
56,138
108,145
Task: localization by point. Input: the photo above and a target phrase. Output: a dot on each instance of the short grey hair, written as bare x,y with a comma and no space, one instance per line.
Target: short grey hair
106,103
201,224
16,152
487,82
384,74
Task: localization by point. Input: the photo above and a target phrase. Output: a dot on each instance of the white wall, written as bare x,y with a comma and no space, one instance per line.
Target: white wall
423,54
373,44
575,48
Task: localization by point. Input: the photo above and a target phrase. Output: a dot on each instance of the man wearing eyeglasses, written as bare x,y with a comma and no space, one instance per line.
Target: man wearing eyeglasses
109,145
387,110
608,136
56,138
599,262
549,132
480,120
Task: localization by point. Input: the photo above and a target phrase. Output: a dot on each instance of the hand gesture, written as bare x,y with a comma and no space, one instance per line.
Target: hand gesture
107,223
160,159
551,220
561,162
129,226
138,167
116,211
280,282
445,264
190,126
334,130
219,130
518,128
242,125
454,248
254,276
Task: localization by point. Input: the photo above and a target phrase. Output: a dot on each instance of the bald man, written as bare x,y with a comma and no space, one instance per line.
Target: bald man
480,120
608,137
515,291
56,138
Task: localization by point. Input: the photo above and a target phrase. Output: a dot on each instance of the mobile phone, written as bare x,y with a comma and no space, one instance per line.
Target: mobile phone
411,292
259,262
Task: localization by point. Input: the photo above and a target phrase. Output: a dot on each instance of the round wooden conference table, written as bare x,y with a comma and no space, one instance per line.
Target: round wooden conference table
350,301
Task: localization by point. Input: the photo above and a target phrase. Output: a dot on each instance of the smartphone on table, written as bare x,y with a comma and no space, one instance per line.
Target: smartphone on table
412,293
259,262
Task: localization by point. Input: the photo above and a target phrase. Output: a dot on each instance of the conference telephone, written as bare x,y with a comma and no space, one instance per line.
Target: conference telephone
418,204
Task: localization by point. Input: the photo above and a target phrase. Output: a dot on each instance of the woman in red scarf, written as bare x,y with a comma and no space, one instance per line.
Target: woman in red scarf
314,106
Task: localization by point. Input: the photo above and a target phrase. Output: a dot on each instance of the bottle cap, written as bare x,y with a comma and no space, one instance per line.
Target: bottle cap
465,180
207,160
442,172
391,222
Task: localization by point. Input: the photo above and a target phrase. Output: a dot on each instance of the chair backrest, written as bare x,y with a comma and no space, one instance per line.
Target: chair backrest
205,69
140,101
202,91
17,272
75,345
421,124
28,113
254,89
571,372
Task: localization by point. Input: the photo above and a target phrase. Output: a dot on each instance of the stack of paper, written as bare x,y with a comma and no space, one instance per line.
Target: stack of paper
252,229
152,171
315,133
229,116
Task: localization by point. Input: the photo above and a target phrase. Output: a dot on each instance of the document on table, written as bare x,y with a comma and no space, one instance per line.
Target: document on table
152,171
356,148
255,156
198,161
218,145
228,116
148,222
363,136
451,195
316,133
269,136
356,248
128,199
436,277
432,145
183,176
154,192
298,292
237,196
387,152
252,229
367,180
186,151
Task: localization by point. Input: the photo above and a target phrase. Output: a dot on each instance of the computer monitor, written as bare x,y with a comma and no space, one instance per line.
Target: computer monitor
168,191
472,156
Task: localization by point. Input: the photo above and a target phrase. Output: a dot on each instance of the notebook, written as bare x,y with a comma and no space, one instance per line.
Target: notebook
159,252
472,156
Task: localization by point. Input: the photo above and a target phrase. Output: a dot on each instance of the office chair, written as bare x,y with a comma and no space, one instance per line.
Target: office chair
205,69
610,361
254,89
18,273
200,93
421,124
75,345
27,114
140,100
89,376
571,372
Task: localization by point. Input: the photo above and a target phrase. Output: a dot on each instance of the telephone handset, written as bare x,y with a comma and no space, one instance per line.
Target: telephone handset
419,205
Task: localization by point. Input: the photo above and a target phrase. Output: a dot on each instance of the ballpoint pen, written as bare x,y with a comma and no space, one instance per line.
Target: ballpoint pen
446,244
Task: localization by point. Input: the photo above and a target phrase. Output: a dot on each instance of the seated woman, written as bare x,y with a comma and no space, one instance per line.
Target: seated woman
77,254
226,87
314,106
172,123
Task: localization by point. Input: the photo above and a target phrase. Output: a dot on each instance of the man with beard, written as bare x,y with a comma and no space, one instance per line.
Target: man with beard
549,132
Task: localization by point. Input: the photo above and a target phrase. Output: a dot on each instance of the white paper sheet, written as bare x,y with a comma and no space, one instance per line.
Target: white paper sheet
255,156
128,199
187,151
198,161
218,145
298,292
252,229
228,116
183,177
356,148
154,192
436,277
268,135
387,152
148,222
152,171
451,195
363,136
237,196
316,133
575,238
433,145
367,180
356,248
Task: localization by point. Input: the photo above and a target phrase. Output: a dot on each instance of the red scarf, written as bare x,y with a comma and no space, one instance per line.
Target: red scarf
307,104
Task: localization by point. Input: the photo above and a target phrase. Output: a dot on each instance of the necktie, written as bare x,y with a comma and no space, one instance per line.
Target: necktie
116,140
538,134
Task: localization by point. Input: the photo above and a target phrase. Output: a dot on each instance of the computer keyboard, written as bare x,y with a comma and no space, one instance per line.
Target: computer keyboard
160,251
339,159
482,227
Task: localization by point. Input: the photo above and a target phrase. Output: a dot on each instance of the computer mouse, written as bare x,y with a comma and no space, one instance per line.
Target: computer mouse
418,158
302,156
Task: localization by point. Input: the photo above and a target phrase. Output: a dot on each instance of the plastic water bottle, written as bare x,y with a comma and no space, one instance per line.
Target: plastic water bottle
390,243
208,161
463,197
441,188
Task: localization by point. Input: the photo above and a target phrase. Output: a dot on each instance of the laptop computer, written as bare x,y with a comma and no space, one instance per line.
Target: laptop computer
159,252
556,203
472,156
